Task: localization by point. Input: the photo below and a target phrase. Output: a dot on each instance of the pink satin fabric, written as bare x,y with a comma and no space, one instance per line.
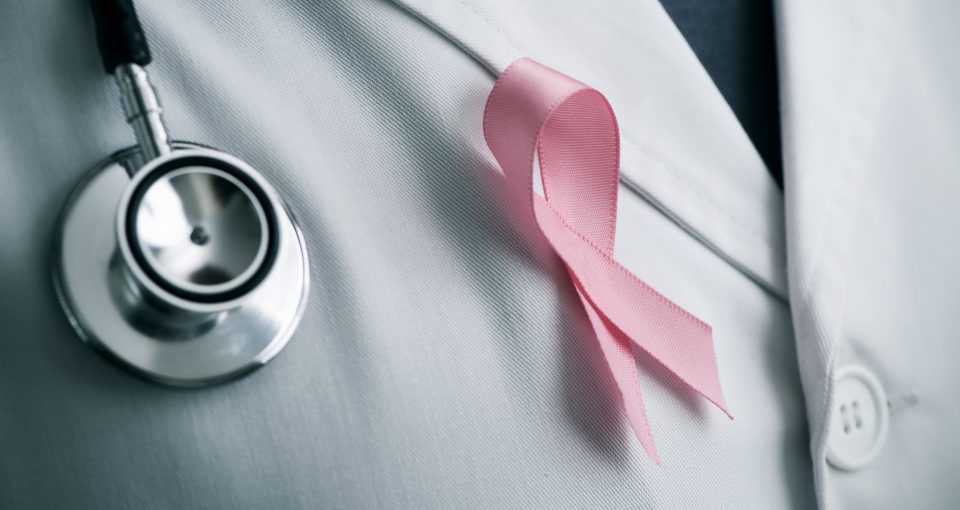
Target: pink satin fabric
534,110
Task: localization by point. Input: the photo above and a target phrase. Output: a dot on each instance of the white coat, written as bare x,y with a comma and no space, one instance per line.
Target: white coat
444,361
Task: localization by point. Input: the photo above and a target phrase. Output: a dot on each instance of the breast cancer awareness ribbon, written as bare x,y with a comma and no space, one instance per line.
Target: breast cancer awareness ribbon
534,110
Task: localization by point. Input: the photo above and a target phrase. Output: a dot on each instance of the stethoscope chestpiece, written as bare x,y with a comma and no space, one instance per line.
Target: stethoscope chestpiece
178,261
191,272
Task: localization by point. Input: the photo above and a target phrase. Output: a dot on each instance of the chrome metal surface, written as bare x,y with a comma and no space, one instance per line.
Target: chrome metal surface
117,307
142,109
202,229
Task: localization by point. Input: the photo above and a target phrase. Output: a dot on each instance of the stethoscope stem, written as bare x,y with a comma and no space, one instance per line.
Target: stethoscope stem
142,110
125,53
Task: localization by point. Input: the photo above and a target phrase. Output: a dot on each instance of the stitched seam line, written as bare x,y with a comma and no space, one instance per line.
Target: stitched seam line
677,175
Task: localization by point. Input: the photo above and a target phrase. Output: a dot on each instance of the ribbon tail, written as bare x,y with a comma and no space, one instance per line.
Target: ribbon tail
618,354
676,338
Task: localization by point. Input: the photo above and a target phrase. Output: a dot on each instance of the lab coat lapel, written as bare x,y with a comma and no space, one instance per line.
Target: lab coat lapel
682,147
834,61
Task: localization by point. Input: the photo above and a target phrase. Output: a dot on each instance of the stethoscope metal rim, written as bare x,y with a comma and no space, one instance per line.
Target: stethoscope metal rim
156,169
257,330
176,281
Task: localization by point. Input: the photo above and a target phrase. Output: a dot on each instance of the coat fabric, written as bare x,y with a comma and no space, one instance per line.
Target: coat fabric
444,360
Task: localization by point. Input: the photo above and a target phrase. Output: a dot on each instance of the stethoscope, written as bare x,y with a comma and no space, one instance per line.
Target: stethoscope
178,261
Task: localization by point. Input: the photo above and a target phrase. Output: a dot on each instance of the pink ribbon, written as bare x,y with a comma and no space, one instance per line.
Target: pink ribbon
533,109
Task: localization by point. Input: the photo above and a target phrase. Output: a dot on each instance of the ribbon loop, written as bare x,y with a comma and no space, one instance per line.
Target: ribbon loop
534,110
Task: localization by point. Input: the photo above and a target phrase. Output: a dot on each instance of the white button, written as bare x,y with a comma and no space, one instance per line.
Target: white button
859,419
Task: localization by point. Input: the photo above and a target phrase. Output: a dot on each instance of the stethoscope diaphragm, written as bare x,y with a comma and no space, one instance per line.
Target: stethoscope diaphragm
201,225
